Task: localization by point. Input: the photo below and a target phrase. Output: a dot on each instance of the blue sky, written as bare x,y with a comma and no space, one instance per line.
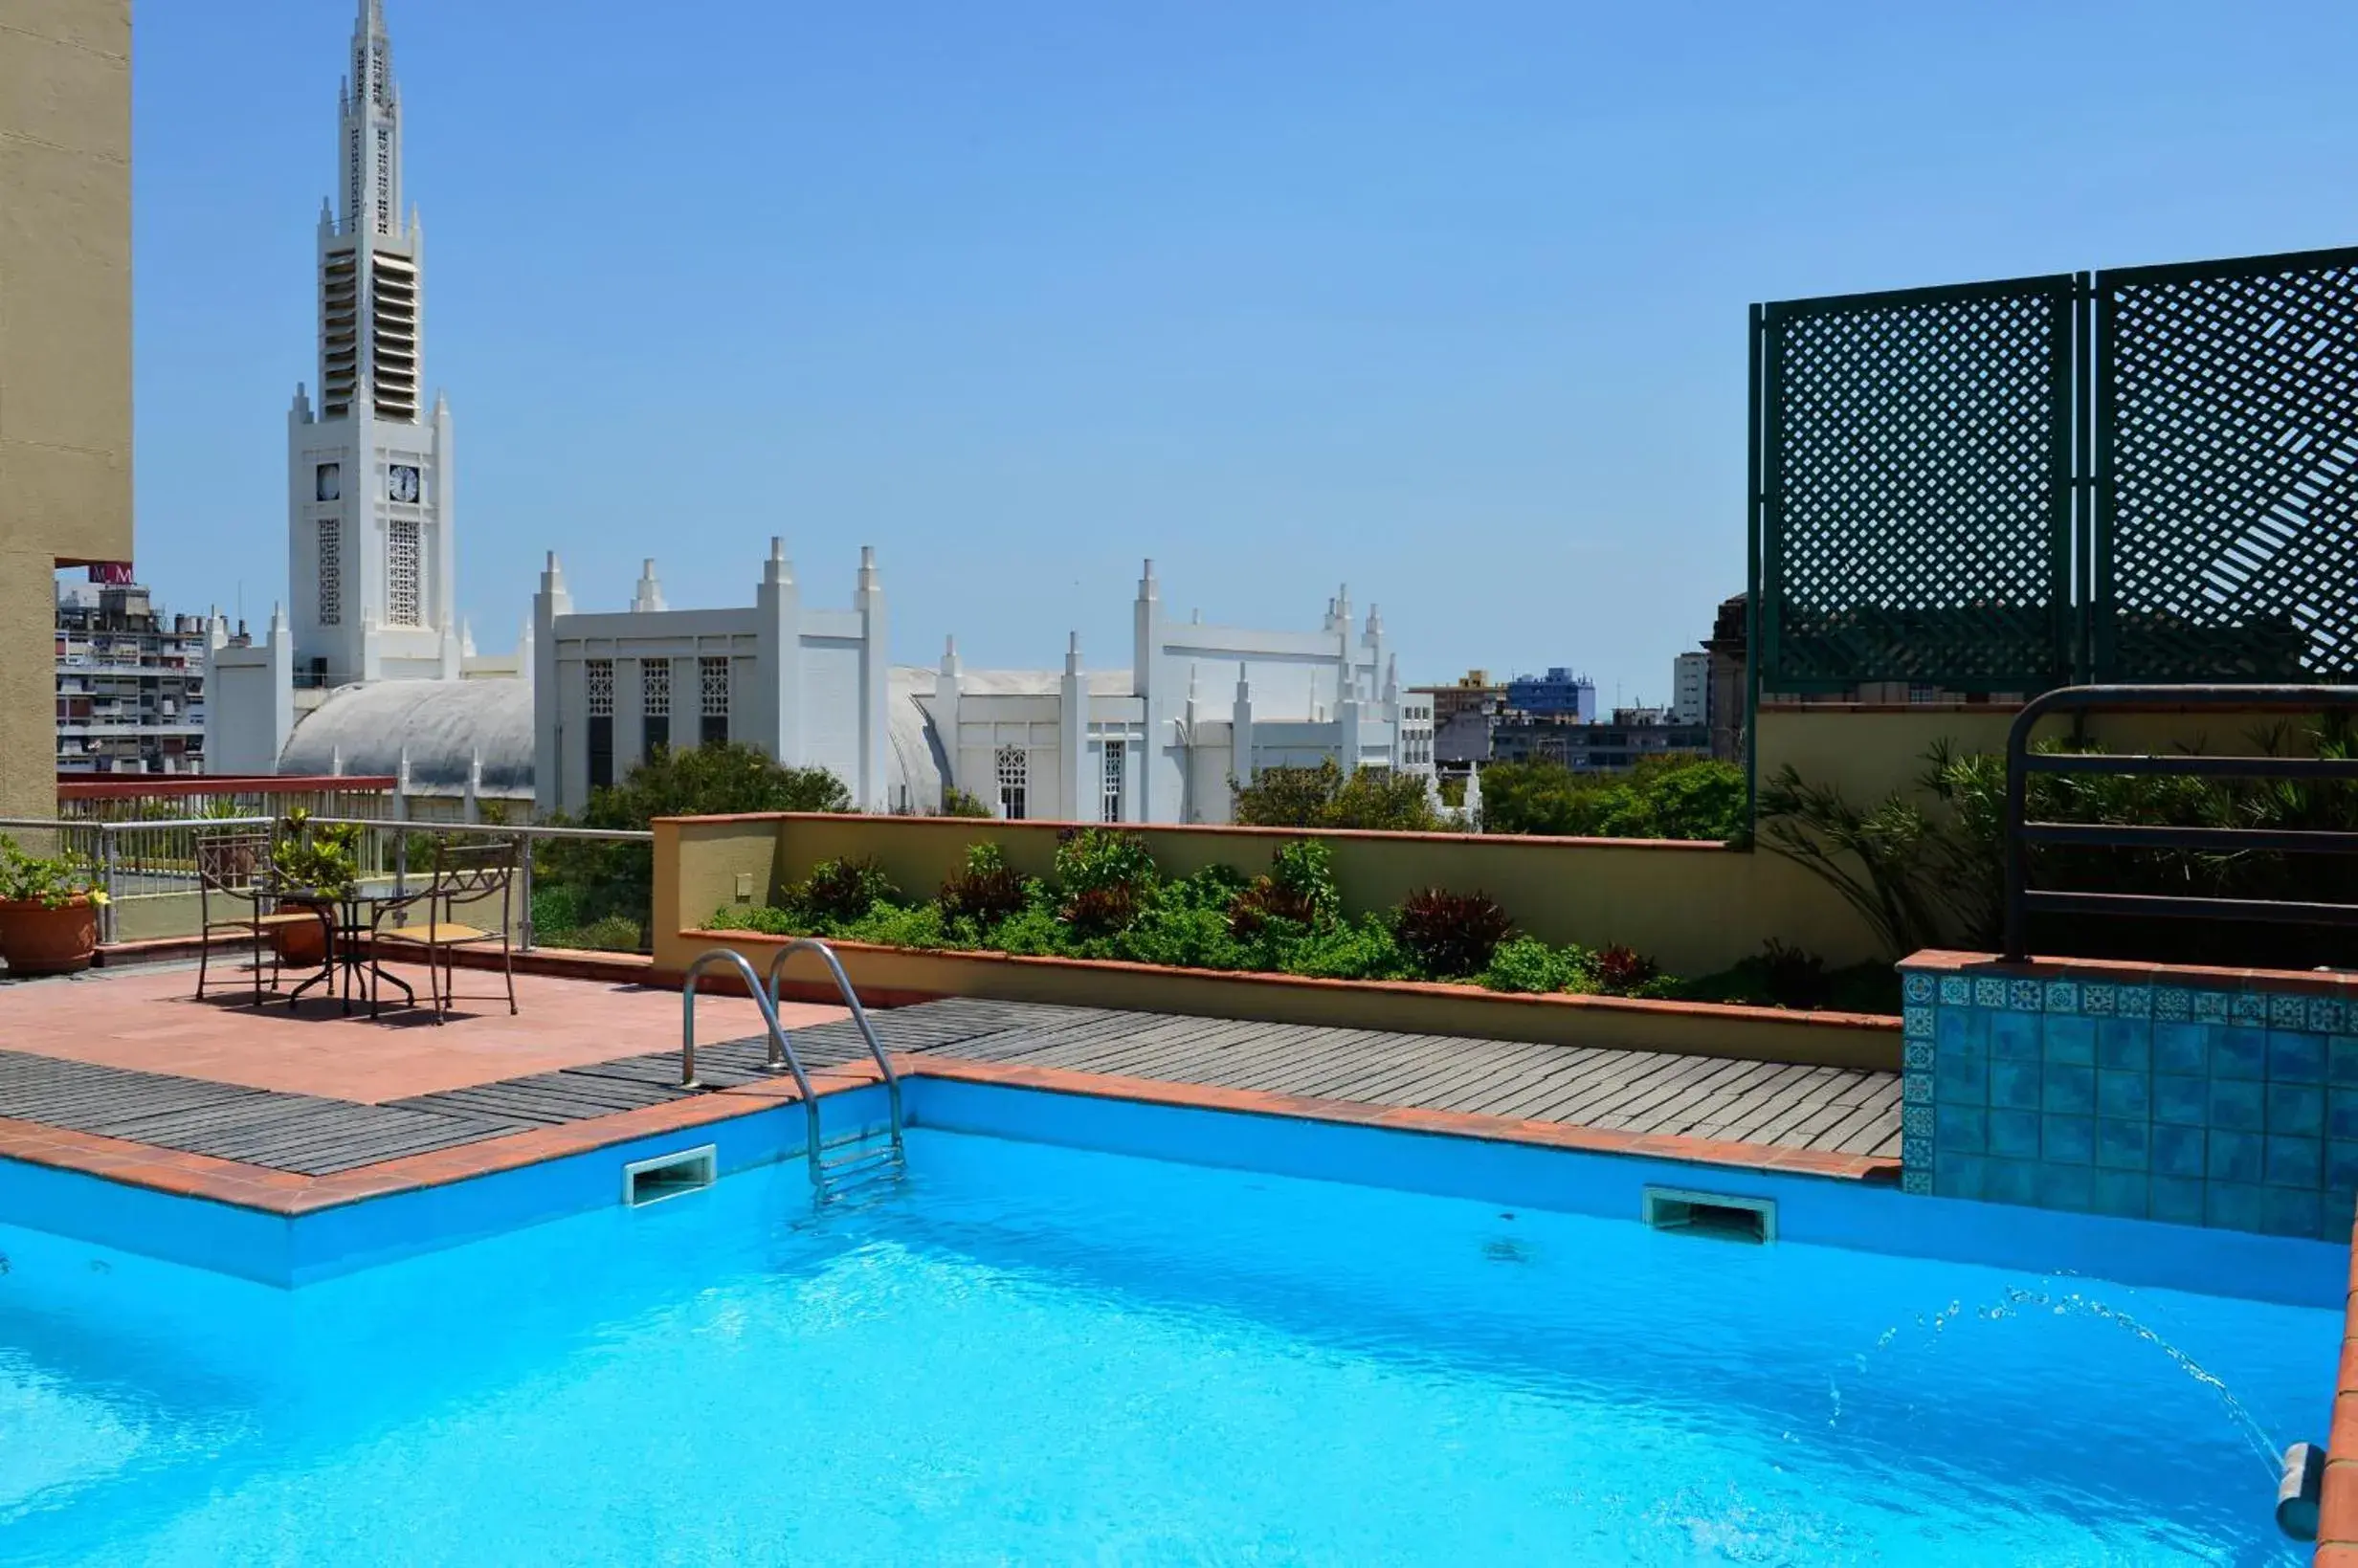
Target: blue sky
1445,298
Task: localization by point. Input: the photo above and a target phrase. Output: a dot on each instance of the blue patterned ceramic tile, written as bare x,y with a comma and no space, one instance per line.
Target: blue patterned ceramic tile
2062,996
2066,1187
2124,1095
1917,1089
2122,1145
2181,1048
2287,1009
1915,1150
2014,1037
2174,1200
2342,1060
2289,1212
2097,1000
1989,993
1916,1055
1962,1128
2294,1162
2120,1193
2185,1101
2178,1150
1916,1023
1956,991
1954,1175
2341,1165
1916,985
2335,1220
2025,996
1918,1120
2239,1053
2123,1045
2326,1015
2211,1007
2235,1157
2247,1010
2234,1206
2296,1108
2171,1006
2010,1180
2014,1134
2134,1001
2015,1086
2238,1105
2067,1141
2068,1090
2072,1041
2296,1056
1917,1181
2342,1112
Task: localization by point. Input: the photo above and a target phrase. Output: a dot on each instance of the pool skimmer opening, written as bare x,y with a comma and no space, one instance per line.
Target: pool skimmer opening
1712,1214
646,1182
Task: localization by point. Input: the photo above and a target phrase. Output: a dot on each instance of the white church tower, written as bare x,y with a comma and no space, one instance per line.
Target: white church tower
370,508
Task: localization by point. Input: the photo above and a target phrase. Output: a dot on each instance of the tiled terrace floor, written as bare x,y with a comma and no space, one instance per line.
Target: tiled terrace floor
128,1075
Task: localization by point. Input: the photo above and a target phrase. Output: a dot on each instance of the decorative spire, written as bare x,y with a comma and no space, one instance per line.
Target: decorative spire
648,600
1147,586
778,571
949,655
1072,656
868,582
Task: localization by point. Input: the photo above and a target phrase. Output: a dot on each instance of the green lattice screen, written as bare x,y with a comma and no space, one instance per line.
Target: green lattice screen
1916,510
2227,450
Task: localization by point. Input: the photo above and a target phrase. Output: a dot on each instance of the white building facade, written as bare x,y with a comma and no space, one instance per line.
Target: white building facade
1690,686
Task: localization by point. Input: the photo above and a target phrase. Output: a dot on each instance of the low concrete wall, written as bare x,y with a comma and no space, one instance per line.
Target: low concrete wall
1694,908
900,975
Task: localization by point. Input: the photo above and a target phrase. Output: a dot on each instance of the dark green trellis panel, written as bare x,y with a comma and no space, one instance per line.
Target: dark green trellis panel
1915,512
2227,470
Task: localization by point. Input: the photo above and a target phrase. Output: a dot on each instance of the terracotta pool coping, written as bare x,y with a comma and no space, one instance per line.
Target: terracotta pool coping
289,1195
2325,983
2337,1515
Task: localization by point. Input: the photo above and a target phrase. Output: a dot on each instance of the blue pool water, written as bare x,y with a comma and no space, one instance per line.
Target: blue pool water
1045,1354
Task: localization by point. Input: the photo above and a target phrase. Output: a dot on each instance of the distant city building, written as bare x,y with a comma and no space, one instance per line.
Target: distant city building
1630,736
1723,679
1474,690
1690,686
1557,692
130,683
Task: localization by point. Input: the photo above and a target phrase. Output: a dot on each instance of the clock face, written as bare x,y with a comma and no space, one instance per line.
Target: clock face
401,483
330,485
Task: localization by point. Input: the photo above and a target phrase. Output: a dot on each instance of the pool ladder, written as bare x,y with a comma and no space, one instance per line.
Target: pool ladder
847,1162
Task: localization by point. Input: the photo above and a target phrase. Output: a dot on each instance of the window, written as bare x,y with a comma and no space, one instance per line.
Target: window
712,691
331,572
1013,775
385,180
401,595
655,702
601,683
1116,754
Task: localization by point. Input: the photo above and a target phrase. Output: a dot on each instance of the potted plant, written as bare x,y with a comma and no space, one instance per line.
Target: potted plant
49,912
322,863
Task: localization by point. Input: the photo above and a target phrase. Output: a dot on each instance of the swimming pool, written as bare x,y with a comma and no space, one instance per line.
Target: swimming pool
1042,1352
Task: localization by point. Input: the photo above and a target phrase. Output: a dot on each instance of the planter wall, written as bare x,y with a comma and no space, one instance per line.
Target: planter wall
892,975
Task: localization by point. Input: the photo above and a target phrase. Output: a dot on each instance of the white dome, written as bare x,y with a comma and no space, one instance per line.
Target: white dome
445,725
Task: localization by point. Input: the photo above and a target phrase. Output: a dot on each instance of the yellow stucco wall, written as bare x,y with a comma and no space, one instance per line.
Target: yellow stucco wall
65,345
1694,908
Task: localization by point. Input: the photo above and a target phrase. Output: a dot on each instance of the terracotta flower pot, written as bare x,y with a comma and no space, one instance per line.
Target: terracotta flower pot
36,940
301,943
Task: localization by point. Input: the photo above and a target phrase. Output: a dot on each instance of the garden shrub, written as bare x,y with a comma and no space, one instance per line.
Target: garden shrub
986,891
842,891
1527,963
1324,796
1661,797
1621,971
1103,857
1452,935
1363,949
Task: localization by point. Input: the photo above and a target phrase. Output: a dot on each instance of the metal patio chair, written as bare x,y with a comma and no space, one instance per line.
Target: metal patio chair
464,875
236,897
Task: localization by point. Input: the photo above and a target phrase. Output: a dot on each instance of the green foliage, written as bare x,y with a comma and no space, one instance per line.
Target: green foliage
1363,949
1877,859
51,881
839,892
1452,935
1325,796
1662,796
323,859
611,878
986,891
1091,858
1528,965
1621,971
615,934
957,802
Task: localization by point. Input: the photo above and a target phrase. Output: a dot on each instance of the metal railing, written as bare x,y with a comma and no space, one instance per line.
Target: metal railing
136,860
781,1051
2022,900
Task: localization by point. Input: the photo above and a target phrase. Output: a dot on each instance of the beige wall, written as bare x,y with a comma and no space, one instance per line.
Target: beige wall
65,345
1694,908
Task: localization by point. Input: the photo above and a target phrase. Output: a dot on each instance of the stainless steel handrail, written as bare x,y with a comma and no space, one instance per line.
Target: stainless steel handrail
859,1016
779,1048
